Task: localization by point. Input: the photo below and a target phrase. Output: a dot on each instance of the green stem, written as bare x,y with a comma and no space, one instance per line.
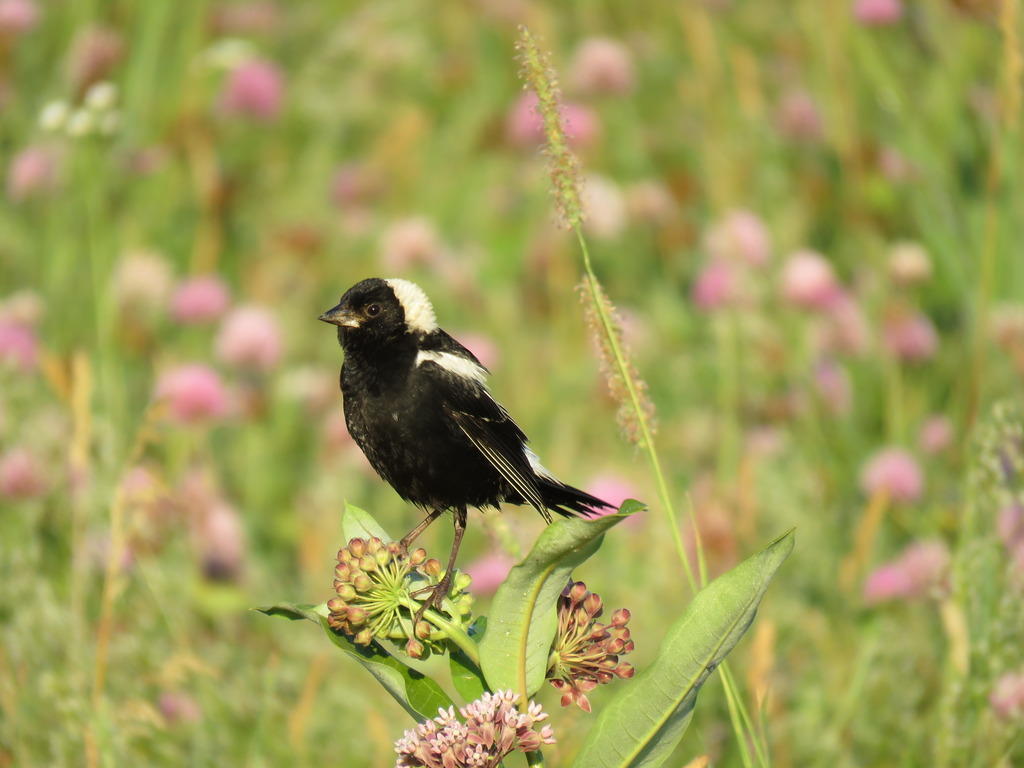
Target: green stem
534,758
455,633
608,327
737,709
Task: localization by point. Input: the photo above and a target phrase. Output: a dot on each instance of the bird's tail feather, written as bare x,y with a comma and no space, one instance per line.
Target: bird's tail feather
569,501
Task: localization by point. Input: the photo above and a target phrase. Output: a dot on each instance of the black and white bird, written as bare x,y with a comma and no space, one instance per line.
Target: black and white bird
417,404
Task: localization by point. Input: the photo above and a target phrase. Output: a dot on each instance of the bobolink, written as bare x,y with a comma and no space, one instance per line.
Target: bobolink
417,404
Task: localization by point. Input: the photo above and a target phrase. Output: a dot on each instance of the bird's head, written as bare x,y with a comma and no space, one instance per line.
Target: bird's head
375,311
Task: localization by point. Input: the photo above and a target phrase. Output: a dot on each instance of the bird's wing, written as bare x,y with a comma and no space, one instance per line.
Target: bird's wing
484,422
500,441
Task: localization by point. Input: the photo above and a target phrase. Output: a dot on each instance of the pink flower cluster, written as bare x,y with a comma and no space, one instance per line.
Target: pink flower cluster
254,90
736,244
895,472
524,126
918,571
21,477
19,347
1007,697
493,728
193,393
198,300
250,339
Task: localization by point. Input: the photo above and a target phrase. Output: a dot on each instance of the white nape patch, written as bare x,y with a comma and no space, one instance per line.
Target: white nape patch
419,312
455,364
536,466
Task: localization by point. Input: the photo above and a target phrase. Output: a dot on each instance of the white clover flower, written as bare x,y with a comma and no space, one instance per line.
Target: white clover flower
81,123
101,97
54,116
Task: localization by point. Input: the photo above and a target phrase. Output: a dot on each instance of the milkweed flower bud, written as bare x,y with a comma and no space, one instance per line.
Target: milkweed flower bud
586,653
491,729
379,587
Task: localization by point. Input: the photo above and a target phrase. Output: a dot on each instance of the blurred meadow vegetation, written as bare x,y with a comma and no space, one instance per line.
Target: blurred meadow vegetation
807,214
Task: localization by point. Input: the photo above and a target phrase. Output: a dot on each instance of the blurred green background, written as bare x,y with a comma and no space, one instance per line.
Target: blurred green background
808,215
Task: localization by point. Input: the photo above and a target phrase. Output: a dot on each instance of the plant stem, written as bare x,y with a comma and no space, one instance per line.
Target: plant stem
737,708
455,633
634,396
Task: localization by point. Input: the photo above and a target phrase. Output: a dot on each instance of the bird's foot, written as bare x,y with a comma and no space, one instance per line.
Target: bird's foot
438,592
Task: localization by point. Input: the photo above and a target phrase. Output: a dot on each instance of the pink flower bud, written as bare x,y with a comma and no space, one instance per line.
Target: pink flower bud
32,172
199,300
193,394
739,236
877,13
17,17
716,286
95,51
20,475
808,281
601,65
1007,697
798,117
1010,525
936,434
894,471
250,339
524,127
177,707
19,347
833,387
220,539
910,336
918,570
254,90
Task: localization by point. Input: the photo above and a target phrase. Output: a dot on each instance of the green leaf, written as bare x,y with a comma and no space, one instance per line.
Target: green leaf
631,507
418,694
646,720
358,523
466,676
514,652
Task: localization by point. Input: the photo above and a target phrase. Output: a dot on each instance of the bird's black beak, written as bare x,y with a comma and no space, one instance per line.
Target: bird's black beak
341,317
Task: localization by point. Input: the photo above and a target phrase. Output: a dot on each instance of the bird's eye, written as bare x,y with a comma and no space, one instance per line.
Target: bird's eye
373,310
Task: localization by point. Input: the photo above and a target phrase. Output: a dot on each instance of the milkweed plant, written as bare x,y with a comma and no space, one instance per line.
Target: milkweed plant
544,628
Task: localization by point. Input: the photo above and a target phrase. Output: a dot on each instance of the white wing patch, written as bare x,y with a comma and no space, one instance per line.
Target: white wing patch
419,312
536,466
454,364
